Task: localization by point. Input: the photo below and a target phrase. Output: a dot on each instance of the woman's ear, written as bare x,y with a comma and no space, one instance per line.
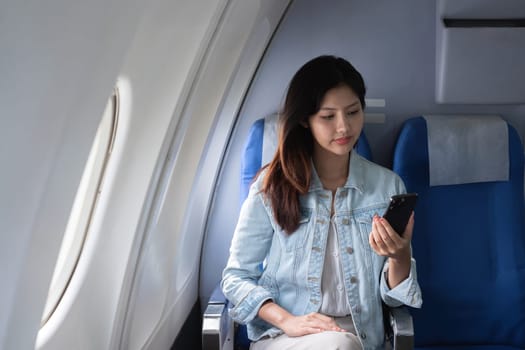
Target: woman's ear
304,124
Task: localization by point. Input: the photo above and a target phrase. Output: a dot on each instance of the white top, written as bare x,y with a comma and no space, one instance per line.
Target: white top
333,294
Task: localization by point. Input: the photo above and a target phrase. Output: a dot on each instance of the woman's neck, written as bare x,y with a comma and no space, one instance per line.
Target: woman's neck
332,170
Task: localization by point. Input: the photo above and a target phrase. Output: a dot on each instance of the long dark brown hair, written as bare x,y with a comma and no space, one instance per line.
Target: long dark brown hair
289,172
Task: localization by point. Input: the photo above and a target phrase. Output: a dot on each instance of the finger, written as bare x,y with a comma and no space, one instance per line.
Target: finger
376,230
304,330
322,317
314,330
381,225
317,320
325,322
397,242
338,328
388,233
311,330
373,243
377,244
384,238
325,319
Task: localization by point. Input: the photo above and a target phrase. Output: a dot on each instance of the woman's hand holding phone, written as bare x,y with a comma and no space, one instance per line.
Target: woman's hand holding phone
385,241
400,208
393,243
392,233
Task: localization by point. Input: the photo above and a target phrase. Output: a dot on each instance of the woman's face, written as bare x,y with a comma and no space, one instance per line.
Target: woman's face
338,123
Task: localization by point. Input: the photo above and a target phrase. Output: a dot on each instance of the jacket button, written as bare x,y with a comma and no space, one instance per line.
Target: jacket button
363,335
349,250
353,279
346,221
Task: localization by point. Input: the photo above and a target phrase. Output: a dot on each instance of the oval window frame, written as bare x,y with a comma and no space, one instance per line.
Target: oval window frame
84,205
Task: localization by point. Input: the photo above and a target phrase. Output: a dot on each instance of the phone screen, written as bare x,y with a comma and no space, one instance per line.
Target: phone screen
398,212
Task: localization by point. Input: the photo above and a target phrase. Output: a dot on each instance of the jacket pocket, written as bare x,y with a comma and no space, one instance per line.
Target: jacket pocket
365,216
297,239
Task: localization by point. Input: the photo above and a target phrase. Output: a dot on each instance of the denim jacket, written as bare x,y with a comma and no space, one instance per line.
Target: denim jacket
293,264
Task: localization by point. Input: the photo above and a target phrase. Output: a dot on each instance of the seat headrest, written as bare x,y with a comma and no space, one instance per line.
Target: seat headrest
270,138
467,149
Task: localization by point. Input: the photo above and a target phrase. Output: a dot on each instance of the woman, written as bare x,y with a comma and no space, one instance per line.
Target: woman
312,217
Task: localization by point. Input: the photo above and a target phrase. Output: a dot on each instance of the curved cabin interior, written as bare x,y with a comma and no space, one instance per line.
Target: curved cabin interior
124,126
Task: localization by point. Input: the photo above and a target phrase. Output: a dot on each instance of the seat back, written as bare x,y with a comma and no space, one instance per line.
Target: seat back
469,243
260,147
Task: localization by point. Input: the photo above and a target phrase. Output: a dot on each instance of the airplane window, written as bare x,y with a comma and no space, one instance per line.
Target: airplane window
83,206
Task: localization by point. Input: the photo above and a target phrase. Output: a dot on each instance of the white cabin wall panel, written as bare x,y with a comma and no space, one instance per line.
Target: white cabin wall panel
469,72
58,66
165,79
160,67
480,65
174,236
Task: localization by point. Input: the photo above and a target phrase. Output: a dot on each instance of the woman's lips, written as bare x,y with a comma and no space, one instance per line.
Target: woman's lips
343,140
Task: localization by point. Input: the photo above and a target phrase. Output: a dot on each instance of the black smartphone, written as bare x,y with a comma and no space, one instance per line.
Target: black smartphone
398,212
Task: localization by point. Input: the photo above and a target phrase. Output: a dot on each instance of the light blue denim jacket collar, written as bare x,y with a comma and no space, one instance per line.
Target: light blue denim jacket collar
354,180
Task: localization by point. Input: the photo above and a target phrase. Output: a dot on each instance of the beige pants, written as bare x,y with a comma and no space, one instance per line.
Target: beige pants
324,340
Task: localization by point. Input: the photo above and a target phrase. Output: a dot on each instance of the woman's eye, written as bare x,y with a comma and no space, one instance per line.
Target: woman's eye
353,112
327,117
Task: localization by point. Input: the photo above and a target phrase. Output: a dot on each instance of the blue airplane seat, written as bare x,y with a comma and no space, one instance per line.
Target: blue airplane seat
469,240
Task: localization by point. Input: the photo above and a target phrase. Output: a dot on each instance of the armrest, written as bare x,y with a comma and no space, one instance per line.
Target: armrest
217,326
402,328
